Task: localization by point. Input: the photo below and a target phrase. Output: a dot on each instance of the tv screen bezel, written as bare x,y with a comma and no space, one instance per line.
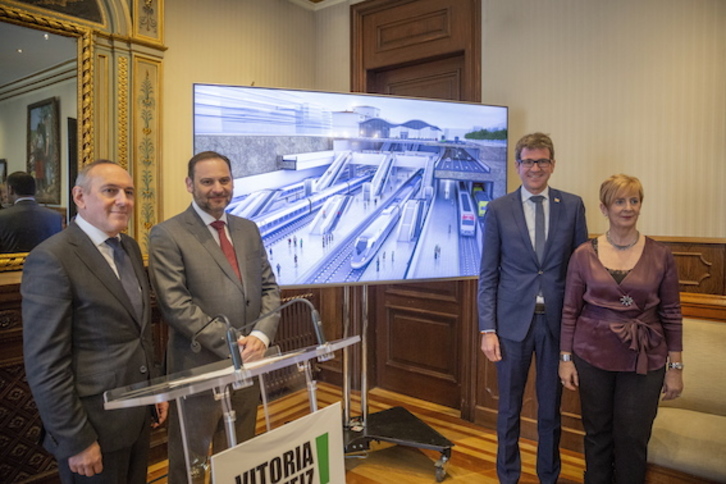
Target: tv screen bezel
368,98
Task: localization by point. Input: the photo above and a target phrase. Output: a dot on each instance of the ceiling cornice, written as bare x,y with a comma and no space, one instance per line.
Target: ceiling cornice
316,5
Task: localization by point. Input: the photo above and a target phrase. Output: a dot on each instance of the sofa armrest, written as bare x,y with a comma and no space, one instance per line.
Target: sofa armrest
690,441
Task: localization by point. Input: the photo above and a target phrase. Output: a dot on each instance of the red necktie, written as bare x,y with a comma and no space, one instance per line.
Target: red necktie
226,246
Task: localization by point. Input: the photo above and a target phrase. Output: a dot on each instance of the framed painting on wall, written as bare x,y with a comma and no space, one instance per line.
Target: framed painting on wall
44,150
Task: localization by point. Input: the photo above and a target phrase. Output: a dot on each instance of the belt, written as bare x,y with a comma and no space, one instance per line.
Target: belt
539,308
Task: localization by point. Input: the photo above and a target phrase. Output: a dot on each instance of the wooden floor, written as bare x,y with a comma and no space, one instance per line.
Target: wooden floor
472,458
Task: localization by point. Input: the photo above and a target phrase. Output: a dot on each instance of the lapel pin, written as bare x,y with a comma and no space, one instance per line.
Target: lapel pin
557,200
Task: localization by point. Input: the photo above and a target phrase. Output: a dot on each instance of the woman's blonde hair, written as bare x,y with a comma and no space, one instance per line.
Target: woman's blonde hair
617,184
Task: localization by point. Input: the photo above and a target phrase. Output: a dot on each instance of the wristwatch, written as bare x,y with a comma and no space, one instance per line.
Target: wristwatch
676,365
567,357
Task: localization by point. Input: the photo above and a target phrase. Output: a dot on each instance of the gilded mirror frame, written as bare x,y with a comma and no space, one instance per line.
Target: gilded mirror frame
84,36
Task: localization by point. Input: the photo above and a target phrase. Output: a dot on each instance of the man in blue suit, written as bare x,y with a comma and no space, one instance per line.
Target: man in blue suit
521,286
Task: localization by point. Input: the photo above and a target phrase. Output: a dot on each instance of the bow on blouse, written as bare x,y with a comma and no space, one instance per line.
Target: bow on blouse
640,336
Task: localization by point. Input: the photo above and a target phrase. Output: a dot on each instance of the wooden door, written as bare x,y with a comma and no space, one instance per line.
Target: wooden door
421,332
422,48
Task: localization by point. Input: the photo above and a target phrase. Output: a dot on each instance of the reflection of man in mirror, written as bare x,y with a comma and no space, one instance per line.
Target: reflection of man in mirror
25,224
3,196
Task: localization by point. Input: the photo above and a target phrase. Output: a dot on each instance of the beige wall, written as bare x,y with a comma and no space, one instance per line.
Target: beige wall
269,43
634,86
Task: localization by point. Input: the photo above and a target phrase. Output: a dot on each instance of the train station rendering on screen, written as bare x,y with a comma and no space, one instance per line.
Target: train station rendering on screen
356,188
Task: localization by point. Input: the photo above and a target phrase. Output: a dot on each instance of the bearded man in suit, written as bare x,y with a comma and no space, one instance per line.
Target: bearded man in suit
203,263
521,288
86,330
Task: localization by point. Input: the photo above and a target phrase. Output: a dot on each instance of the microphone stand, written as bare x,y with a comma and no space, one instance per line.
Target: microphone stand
232,335
314,315
324,354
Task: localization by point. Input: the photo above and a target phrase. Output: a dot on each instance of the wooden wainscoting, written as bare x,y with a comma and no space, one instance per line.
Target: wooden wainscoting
701,263
21,456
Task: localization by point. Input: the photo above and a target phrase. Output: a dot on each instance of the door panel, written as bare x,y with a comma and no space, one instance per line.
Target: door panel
438,79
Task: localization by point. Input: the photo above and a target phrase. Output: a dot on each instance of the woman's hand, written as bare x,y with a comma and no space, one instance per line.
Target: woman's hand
568,375
673,384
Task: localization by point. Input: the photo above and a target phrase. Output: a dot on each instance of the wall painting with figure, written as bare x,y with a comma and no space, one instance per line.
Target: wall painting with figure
44,150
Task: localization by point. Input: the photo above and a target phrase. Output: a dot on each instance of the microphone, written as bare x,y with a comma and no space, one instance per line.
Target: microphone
233,333
232,343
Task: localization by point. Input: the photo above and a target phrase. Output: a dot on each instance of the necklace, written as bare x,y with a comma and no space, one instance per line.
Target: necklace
622,247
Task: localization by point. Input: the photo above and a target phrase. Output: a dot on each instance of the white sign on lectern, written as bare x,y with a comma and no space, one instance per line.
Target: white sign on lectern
308,450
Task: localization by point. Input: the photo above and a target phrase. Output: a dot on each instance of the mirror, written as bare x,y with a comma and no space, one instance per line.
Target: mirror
38,76
55,64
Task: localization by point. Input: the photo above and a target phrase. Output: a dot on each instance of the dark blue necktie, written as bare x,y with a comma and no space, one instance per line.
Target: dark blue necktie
539,227
126,275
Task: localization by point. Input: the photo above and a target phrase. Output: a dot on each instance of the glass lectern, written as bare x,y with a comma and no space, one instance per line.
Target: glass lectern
218,378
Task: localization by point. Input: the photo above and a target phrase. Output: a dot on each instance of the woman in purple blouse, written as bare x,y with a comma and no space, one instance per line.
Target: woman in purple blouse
621,337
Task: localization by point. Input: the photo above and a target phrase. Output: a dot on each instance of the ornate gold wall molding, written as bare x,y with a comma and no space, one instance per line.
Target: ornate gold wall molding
123,111
146,132
85,96
12,262
149,23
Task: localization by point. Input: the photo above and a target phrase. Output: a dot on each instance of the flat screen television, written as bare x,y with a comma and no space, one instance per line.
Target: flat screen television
356,188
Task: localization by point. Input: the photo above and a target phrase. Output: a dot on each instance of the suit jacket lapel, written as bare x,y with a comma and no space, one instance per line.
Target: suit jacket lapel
238,240
140,272
556,209
518,216
91,257
204,236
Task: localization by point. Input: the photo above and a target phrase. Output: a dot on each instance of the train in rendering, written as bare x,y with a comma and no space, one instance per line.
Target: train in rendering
467,216
269,223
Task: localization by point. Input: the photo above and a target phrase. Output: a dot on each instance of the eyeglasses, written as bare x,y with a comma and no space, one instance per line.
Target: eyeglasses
543,163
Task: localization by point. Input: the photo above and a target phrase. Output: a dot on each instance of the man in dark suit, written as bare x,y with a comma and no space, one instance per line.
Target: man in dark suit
86,330
25,224
203,263
521,287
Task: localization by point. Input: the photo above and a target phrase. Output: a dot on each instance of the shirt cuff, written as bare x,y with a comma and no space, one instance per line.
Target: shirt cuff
261,336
